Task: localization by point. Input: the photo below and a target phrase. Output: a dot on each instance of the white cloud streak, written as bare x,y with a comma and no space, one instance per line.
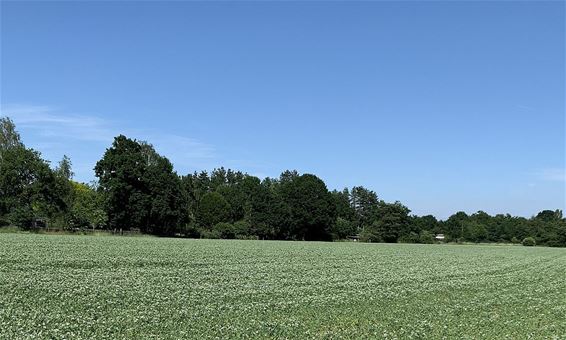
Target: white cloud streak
49,122
54,128
552,174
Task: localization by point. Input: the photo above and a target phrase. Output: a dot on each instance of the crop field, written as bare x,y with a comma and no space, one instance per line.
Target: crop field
141,287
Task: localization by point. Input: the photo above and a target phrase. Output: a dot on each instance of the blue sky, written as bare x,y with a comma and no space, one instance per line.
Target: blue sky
444,106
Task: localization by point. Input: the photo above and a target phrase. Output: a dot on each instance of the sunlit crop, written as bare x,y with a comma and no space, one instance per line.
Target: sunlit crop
119,287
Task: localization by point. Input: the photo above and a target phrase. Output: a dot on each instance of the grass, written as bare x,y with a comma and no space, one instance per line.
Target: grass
61,231
59,286
10,229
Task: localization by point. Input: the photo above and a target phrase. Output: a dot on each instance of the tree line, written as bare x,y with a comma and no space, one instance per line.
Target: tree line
137,188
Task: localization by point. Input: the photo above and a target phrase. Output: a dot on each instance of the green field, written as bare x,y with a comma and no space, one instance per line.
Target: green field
140,287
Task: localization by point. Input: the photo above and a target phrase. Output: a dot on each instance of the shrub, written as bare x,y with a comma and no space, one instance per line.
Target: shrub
515,240
22,217
342,229
529,241
225,230
412,237
242,229
10,229
191,230
205,233
4,221
426,237
368,236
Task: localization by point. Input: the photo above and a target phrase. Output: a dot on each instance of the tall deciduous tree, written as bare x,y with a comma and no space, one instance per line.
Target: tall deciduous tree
120,173
9,137
140,187
393,221
64,168
311,207
455,224
28,187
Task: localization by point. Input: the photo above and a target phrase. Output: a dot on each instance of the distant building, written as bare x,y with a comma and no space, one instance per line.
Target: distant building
354,238
439,237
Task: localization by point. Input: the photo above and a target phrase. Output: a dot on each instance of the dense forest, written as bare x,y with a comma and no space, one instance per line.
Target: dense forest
138,189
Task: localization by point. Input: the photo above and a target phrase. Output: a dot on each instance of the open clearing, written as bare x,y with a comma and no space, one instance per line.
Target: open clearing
141,287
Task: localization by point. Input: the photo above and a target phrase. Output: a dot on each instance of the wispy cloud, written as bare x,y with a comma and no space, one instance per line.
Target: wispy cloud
187,154
54,128
55,124
184,146
524,107
50,122
552,174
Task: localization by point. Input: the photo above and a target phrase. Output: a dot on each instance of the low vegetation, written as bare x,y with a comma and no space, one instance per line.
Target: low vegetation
120,287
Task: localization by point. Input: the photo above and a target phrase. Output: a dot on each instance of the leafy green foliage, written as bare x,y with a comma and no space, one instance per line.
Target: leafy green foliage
371,234
311,206
365,204
140,187
343,228
225,230
64,169
428,223
9,137
242,230
28,187
87,207
212,210
393,221
426,237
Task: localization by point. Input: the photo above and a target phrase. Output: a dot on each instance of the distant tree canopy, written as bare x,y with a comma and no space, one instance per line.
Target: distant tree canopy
138,188
29,189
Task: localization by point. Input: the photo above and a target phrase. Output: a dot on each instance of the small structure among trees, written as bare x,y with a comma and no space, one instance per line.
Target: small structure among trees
354,238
